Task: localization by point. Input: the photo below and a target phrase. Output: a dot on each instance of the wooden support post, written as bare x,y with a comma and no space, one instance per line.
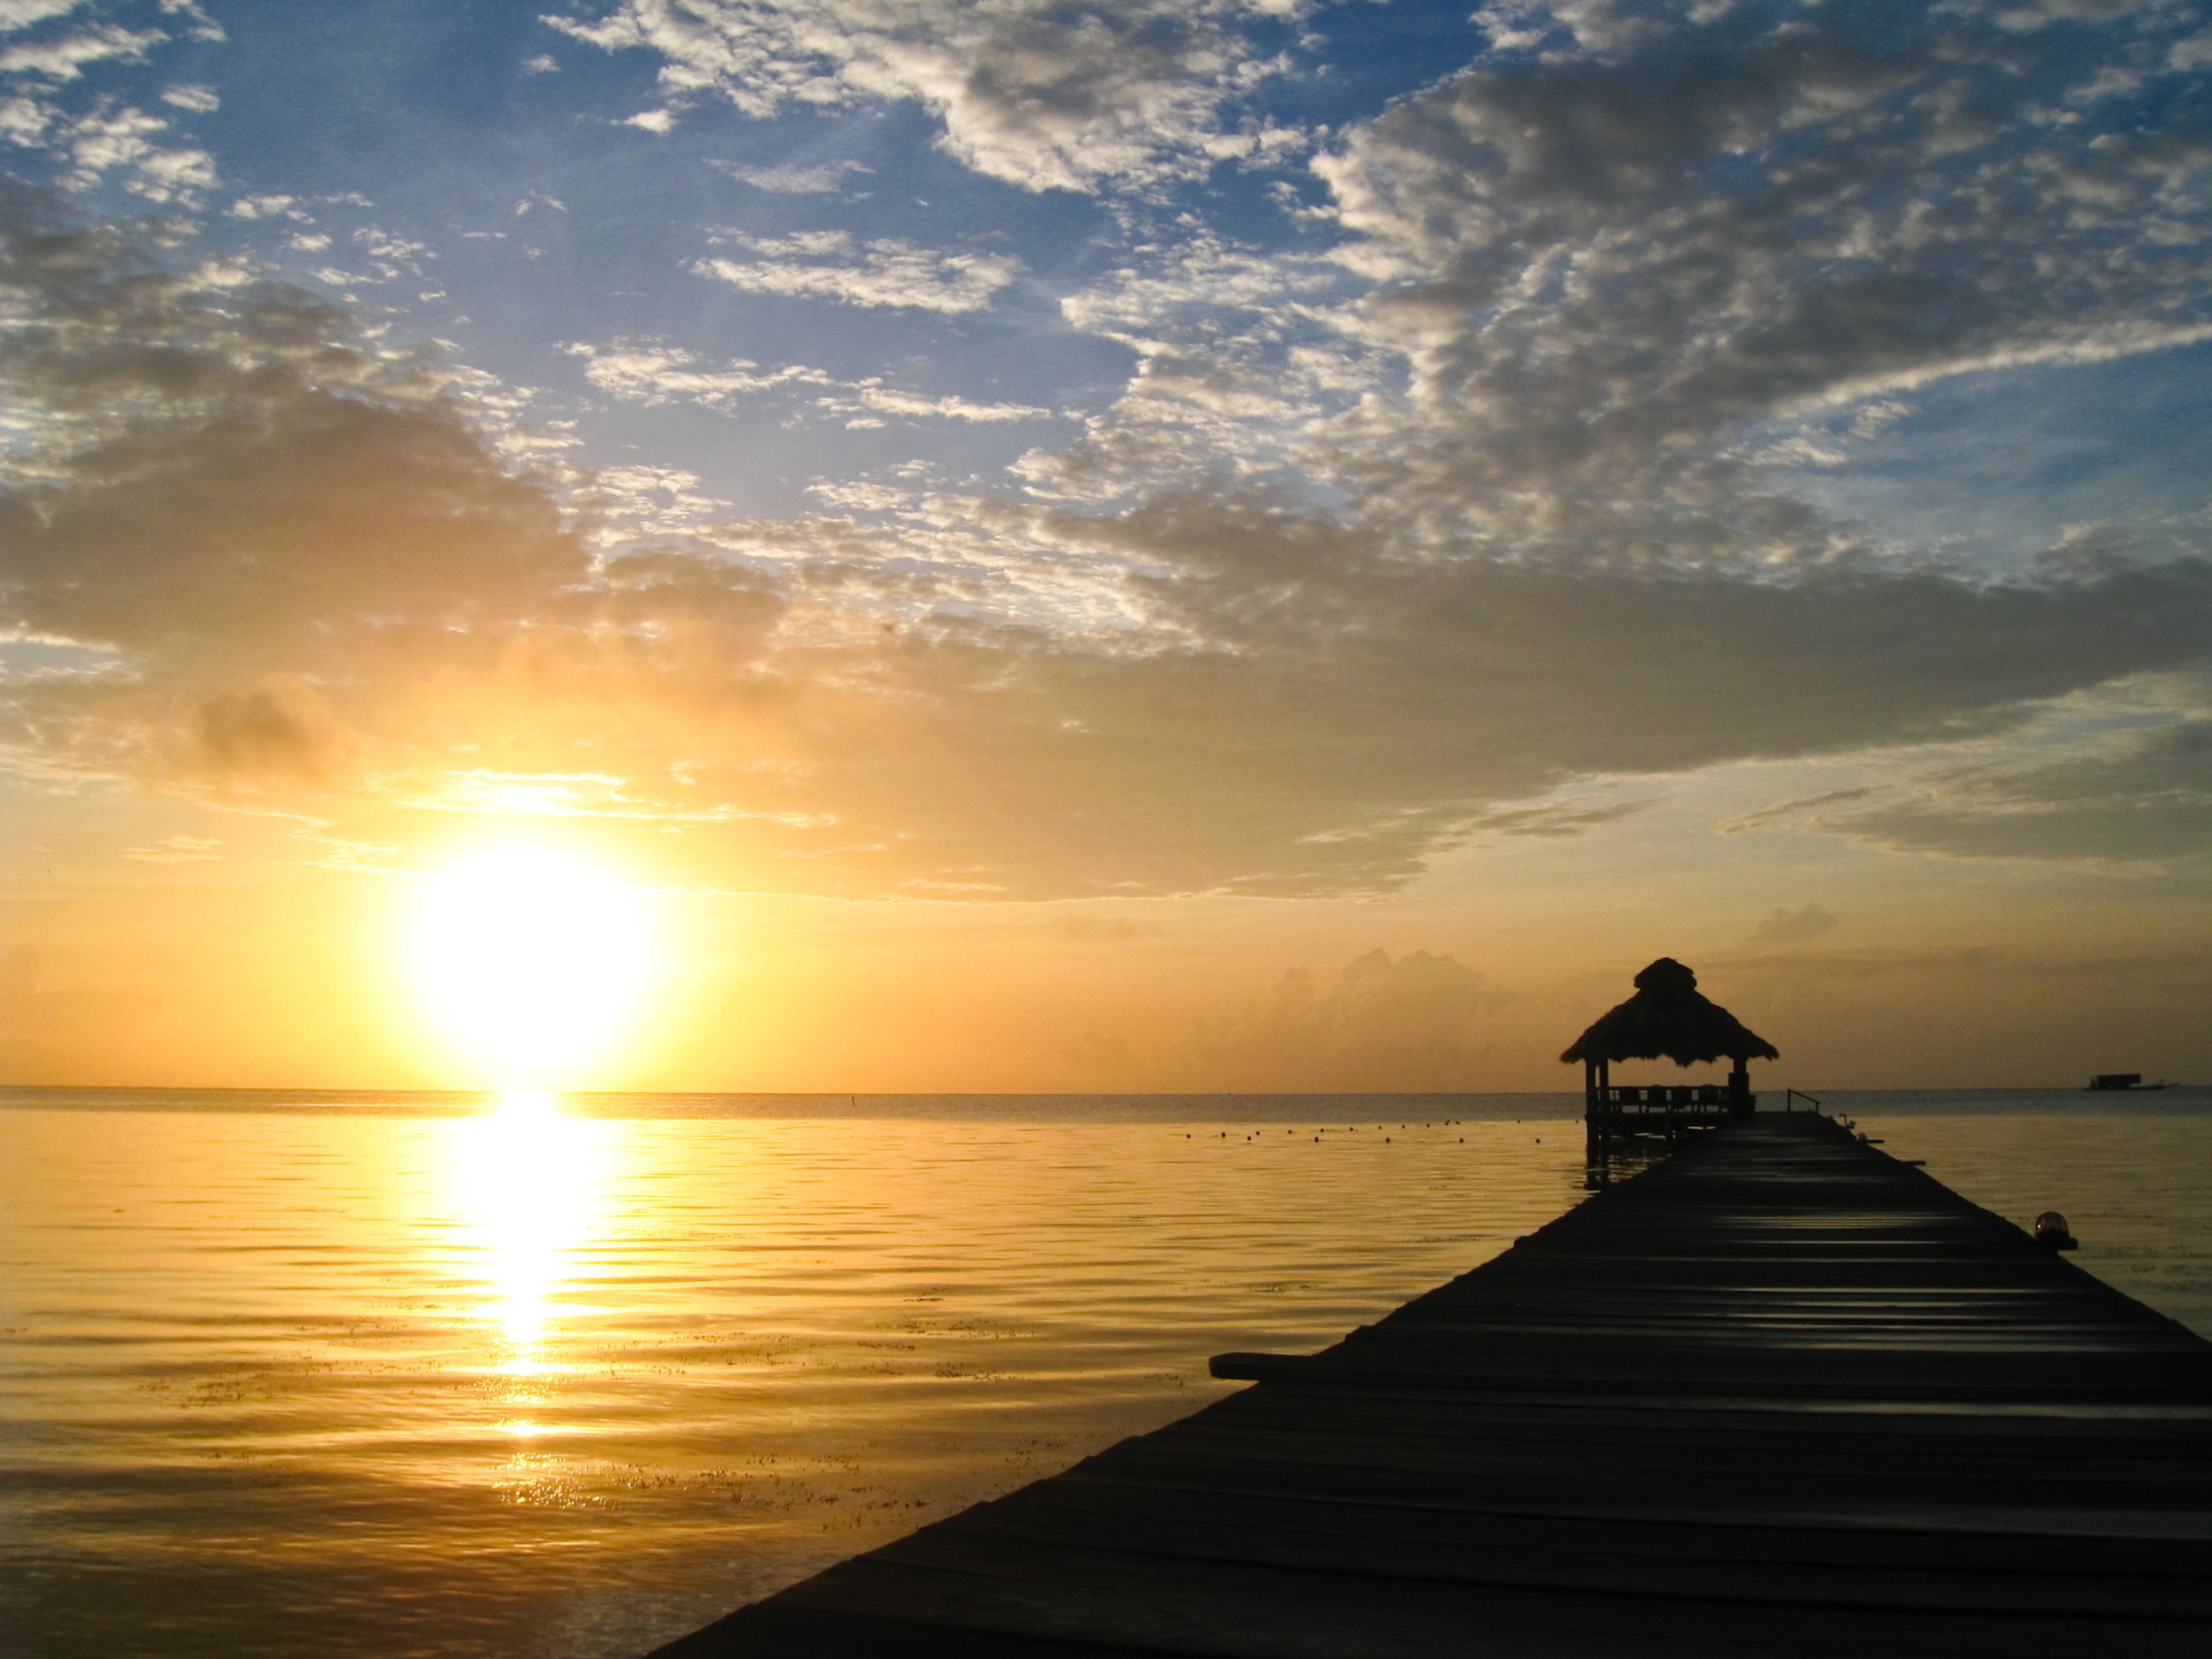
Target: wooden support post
1739,1088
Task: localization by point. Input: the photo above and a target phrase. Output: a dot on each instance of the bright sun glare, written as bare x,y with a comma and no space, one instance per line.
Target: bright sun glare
533,962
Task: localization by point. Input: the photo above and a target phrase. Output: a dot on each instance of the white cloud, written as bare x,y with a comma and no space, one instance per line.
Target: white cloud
651,120
392,257
655,374
124,140
1577,280
22,13
1243,357
889,400
793,179
1045,93
643,500
270,207
887,272
24,121
202,26
65,59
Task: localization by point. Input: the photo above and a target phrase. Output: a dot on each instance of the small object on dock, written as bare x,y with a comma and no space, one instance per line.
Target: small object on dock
2051,1232
1252,1367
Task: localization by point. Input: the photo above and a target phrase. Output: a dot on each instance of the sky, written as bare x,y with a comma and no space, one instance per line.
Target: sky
1229,544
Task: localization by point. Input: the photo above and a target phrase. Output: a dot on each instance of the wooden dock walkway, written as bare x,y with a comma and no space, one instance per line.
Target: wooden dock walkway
1781,1395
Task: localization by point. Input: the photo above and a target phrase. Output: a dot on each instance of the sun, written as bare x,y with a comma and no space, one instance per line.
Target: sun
532,962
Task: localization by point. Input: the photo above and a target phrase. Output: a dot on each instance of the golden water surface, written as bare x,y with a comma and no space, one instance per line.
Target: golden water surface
352,1377
521,1378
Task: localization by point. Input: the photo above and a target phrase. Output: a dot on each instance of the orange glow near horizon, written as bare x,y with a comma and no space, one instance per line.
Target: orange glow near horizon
532,964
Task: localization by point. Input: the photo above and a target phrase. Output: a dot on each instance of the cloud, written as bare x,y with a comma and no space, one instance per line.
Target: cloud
240,500
64,57
1552,820
793,179
1603,258
2139,798
1798,926
1044,94
889,400
86,148
1243,362
270,207
176,849
655,374
320,580
887,272
281,727
16,14
1808,807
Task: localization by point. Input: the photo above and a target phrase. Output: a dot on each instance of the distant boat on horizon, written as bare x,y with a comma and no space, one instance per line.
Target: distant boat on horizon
2106,1083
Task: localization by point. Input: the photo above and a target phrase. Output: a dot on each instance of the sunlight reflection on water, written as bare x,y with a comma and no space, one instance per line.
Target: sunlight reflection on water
455,1380
452,1379
534,1185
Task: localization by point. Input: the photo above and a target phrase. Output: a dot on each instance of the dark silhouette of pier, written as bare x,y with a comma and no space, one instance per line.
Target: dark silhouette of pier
1781,1395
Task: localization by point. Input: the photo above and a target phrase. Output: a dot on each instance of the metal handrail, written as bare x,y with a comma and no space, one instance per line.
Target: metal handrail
1790,1095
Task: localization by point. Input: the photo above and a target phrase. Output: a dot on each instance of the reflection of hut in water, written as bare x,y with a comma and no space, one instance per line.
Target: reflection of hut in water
1668,1018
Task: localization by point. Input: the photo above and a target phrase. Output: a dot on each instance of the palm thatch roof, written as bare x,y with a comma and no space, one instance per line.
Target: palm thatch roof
1667,1018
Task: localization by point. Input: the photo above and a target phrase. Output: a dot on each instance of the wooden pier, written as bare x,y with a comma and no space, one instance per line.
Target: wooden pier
1781,1395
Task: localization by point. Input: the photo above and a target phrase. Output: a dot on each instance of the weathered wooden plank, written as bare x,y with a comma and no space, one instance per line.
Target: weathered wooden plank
1780,1393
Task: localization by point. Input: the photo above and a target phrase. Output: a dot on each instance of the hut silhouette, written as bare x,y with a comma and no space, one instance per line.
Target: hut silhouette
1668,1018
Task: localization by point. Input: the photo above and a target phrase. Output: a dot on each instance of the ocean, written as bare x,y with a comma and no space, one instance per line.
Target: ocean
290,1374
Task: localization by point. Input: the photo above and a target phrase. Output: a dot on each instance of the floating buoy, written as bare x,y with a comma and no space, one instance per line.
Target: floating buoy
2051,1233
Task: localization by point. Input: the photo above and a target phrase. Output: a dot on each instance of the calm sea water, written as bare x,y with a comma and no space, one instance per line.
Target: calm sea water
363,1375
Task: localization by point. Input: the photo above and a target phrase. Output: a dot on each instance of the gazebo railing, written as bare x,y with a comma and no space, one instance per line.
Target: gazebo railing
1659,1097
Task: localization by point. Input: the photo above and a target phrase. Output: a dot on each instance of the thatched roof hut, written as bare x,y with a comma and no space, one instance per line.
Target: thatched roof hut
1667,1018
